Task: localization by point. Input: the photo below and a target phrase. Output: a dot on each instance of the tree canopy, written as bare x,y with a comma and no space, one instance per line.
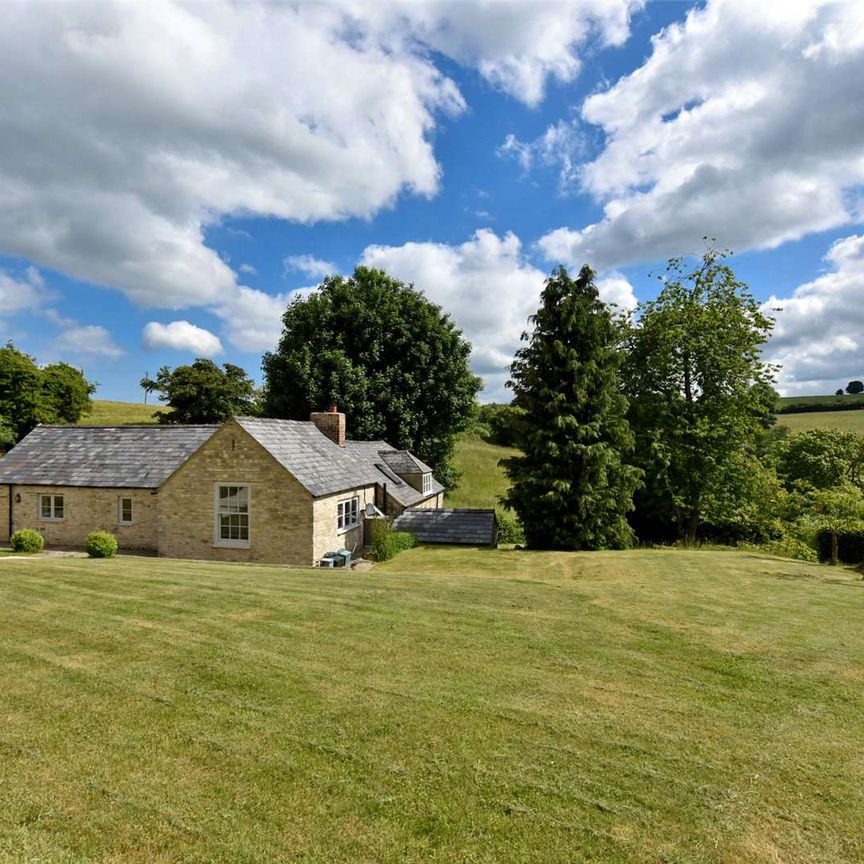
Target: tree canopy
699,389
201,392
854,387
30,395
387,356
572,488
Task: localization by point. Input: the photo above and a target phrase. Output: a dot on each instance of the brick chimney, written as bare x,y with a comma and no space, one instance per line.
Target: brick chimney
331,423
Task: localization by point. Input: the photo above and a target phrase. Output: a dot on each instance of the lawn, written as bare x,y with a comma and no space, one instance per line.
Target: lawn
449,706
483,479
107,413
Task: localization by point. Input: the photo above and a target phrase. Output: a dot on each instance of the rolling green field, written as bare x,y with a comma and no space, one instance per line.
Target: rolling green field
849,421
483,480
449,706
845,399
106,413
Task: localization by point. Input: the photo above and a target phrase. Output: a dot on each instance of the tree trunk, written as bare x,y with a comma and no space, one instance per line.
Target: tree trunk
835,557
692,526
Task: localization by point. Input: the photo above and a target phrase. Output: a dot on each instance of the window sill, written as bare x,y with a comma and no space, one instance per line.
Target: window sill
236,544
347,528
49,519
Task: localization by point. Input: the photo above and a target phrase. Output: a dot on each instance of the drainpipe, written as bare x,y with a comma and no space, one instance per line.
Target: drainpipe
10,512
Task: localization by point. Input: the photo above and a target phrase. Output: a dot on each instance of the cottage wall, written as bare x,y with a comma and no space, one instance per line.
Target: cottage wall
328,537
394,508
85,509
281,510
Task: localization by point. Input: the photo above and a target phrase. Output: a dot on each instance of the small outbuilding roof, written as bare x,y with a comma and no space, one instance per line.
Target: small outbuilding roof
465,527
140,457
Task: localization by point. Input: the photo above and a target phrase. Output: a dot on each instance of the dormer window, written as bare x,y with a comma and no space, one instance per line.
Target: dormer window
427,483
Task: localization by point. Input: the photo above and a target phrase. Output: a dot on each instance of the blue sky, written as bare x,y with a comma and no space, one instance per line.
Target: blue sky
171,173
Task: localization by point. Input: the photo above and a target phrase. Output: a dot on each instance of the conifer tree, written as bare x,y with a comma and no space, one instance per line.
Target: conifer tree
572,488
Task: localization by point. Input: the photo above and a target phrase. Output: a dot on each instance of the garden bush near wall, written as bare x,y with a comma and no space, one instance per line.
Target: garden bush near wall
388,543
850,546
509,528
26,540
101,544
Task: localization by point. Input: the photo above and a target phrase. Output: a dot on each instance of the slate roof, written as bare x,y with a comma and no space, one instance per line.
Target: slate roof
403,462
322,466
108,456
461,526
372,453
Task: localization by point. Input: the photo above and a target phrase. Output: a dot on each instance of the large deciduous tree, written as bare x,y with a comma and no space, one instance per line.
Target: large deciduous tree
201,392
56,393
572,488
390,359
698,388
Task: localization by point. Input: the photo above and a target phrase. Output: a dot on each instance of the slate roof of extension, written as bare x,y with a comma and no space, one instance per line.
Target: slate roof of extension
323,467
463,527
105,456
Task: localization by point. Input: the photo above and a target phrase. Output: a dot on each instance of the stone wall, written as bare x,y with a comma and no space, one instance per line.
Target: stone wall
280,509
328,537
85,509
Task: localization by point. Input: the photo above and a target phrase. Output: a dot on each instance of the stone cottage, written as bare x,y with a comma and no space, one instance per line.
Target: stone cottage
252,489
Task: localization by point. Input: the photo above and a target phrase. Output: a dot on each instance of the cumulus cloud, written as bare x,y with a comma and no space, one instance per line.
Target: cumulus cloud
818,333
745,124
126,130
516,46
616,290
309,265
181,336
87,339
23,294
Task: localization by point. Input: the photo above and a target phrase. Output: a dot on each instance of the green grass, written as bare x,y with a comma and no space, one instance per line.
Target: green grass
448,706
107,413
483,480
848,421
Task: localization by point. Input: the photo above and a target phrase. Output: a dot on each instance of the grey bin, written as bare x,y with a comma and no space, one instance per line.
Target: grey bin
339,558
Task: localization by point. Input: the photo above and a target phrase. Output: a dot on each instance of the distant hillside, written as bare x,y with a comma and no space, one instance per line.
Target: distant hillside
106,413
800,404
848,421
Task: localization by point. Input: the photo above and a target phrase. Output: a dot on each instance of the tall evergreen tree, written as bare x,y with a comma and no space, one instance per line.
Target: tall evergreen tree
572,488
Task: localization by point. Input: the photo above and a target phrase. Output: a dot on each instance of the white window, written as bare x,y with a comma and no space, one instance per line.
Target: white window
51,508
232,515
348,514
124,511
427,483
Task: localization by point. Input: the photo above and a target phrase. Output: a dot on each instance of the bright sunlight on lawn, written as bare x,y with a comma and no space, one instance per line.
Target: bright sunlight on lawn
450,706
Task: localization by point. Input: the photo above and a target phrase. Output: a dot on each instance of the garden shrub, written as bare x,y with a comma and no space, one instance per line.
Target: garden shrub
101,544
785,547
509,527
27,540
386,543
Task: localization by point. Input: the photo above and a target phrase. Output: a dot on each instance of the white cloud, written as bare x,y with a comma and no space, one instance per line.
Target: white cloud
127,129
516,46
818,333
745,124
254,318
616,290
181,336
308,265
87,339
25,294
247,268
560,146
